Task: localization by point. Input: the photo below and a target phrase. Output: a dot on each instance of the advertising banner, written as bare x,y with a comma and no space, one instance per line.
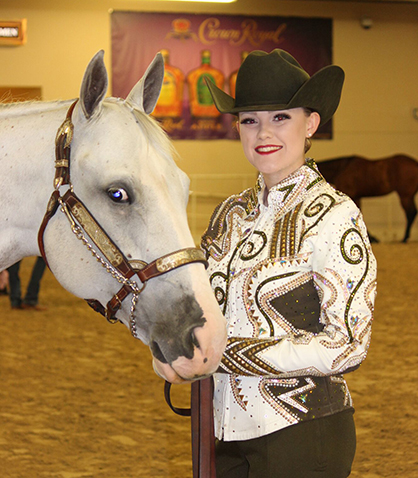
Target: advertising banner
197,45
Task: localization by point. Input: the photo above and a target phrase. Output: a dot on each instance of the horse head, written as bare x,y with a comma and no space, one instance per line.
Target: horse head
123,173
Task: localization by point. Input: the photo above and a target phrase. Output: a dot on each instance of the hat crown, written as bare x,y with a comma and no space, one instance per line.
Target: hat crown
268,78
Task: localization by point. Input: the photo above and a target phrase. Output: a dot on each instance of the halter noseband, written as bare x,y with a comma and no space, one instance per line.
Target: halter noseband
87,229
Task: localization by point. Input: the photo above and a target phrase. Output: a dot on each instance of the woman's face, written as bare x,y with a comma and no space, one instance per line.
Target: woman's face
274,141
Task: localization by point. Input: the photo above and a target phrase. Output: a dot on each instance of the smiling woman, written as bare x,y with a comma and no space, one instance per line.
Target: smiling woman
294,275
265,134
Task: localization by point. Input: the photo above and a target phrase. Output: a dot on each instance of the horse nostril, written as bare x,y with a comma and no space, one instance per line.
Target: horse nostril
156,352
195,342
183,344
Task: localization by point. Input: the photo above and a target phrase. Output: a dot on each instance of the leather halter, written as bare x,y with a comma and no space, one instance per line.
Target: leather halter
88,230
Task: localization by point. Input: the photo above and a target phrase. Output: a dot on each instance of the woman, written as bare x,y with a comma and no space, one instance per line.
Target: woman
294,274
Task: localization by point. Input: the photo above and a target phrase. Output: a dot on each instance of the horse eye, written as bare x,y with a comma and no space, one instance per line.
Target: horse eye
118,195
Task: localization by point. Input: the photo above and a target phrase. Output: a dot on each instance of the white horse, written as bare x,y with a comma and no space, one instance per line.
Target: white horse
118,203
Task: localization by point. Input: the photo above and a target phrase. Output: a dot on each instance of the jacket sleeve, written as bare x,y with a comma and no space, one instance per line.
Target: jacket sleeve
344,273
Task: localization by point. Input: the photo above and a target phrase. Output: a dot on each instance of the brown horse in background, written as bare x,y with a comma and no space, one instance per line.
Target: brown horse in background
359,177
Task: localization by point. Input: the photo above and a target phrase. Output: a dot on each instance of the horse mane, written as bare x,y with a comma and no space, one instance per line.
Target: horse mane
21,108
150,127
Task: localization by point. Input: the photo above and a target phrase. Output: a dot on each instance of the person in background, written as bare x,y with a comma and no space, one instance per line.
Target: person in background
30,300
293,271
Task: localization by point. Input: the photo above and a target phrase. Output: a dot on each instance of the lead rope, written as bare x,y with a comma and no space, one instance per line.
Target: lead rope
202,426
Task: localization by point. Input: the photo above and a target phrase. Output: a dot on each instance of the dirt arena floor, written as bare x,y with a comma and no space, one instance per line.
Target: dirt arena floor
78,397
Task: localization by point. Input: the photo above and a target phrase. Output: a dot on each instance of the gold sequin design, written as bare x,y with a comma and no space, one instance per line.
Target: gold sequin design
321,282
348,402
370,294
284,266
263,300
366,322
220,246
235,383
356,322
353,362
294,190
303,372
283,242
361,326
355,255
343,287
345,290
243,253
216,240
217,278
348,350
252,247
241,357
317,209
277,402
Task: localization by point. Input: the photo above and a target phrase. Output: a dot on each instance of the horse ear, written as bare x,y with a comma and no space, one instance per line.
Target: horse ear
145,93
94,85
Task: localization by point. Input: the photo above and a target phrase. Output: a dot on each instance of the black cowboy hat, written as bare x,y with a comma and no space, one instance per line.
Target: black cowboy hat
276,81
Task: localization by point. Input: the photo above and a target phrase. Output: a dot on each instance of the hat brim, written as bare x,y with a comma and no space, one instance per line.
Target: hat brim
321,93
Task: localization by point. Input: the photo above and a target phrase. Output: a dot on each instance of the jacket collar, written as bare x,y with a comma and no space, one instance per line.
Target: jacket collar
285,195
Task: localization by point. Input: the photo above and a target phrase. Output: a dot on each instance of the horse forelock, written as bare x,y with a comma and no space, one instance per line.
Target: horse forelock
153,132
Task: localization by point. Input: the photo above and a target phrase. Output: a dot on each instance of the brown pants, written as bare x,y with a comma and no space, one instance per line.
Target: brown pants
320,448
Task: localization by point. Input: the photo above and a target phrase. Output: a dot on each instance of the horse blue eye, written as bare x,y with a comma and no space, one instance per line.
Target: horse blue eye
118,195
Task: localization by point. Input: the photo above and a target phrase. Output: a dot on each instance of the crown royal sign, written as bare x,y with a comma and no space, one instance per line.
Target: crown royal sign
196,47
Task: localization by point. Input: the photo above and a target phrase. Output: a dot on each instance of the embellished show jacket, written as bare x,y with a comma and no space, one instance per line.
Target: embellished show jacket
296,281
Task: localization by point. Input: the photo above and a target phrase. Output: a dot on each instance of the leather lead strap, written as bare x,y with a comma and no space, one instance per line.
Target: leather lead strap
203,437
184,412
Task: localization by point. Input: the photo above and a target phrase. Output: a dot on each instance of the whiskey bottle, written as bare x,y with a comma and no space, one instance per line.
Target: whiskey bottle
200,100
233,75
170,102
